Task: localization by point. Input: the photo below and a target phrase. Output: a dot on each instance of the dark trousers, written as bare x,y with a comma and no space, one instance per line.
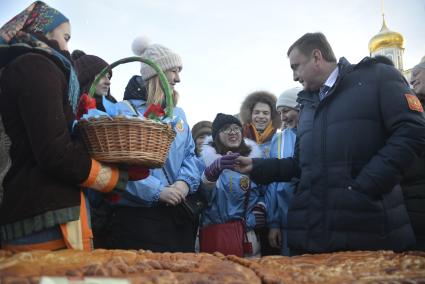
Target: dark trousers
101,218
159,229
266,248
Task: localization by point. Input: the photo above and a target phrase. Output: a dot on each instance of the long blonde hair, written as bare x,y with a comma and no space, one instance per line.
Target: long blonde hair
155,93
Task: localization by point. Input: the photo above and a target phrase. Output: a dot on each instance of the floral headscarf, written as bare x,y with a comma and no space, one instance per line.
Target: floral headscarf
39,18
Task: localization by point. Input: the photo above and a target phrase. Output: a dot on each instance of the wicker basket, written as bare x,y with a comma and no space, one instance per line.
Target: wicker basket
126,140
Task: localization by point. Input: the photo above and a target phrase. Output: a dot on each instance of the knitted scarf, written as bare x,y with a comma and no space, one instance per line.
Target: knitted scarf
249,131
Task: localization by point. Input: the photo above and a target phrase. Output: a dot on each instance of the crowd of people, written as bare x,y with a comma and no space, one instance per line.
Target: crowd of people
336,164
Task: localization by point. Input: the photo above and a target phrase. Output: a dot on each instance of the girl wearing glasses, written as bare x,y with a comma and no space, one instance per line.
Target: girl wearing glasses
231,196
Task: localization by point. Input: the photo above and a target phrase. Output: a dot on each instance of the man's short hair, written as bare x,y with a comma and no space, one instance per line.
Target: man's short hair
310,41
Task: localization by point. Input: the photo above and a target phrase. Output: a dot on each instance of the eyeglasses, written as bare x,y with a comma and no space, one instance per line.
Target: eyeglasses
233,128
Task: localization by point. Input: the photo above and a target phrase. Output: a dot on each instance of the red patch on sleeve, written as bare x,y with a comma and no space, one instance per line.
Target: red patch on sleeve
414,103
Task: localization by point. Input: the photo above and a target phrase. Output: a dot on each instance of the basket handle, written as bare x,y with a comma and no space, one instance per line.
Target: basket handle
163,79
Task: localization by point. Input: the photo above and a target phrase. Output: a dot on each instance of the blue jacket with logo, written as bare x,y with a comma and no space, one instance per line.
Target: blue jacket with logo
266,148
181,164
227,196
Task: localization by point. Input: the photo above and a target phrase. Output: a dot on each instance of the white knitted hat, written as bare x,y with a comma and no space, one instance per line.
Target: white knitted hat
164,57
289,98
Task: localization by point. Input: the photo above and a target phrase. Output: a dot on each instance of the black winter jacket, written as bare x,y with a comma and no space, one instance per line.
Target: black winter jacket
352,148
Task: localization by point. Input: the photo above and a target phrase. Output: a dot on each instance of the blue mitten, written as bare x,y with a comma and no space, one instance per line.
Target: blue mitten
213,171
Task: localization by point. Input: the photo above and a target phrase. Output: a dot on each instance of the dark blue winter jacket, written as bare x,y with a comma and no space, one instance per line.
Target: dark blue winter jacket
352,149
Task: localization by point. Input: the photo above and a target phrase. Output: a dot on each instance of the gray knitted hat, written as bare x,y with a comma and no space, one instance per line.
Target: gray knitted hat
164,57
289,98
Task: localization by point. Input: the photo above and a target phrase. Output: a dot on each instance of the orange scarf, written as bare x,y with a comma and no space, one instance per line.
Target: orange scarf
249,131
78,234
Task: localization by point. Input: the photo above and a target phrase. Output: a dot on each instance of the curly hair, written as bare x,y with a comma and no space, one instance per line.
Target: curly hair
252,99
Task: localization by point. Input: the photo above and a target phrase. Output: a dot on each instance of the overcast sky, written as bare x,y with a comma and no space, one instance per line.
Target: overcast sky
230,48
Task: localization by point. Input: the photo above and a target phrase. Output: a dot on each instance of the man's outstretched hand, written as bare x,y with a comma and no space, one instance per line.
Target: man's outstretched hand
243,165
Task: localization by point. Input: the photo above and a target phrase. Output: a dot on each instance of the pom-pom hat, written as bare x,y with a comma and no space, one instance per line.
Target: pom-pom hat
164,57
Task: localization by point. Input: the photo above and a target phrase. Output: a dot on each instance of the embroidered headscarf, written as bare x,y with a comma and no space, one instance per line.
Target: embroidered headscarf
39,18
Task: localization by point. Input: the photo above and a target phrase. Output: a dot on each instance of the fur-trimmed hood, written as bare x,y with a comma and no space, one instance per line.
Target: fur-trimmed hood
253,98
209,153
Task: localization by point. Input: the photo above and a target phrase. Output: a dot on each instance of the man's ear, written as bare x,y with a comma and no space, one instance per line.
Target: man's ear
317,55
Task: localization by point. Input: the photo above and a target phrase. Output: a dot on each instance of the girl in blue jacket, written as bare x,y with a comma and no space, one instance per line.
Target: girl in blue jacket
148,213
226,190
279,194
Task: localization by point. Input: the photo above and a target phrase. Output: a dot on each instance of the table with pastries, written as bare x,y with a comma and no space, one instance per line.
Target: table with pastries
130,266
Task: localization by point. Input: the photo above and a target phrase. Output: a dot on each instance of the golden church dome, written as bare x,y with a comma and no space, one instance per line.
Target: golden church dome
385,38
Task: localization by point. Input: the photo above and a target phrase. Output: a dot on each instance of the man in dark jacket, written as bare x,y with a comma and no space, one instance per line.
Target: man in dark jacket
360,127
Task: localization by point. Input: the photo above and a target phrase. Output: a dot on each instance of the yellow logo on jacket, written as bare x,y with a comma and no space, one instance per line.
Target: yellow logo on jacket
180,126
244,183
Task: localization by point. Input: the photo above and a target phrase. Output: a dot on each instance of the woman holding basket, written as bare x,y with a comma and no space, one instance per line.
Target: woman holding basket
44,206
147,214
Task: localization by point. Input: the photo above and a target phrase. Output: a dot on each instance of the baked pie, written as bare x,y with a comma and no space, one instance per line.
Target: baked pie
136,266
148,267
